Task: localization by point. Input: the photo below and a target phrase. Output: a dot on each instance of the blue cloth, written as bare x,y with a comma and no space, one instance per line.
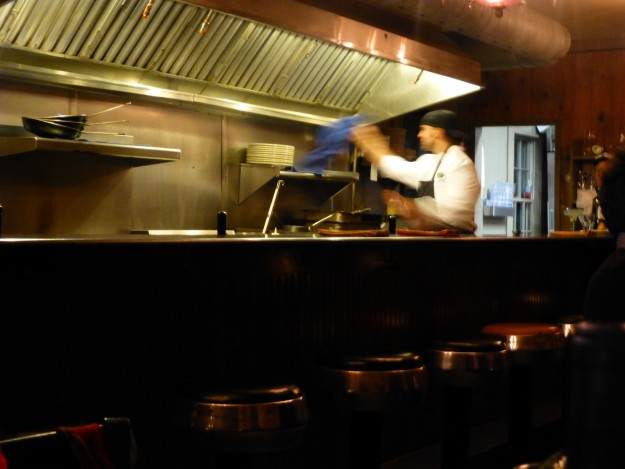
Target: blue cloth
332,139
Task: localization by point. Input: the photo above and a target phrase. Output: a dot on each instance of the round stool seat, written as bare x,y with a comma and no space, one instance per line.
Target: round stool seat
257,419
467,362
369,380
526,341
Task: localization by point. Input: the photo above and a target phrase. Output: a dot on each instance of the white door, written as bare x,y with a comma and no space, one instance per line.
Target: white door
512,155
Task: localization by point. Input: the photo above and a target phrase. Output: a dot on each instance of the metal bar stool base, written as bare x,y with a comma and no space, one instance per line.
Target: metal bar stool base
532,347
374,394
462,368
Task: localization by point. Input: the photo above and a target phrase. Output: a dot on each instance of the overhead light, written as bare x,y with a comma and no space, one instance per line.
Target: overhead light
497,5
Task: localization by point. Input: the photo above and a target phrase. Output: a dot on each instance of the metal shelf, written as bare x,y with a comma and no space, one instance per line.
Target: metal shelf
136,154
253,177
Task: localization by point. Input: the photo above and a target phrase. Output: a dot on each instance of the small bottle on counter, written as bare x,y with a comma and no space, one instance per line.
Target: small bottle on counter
392,224
221,223
598,215
392,220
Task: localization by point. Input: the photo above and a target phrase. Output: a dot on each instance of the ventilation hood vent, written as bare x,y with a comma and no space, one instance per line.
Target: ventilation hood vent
197,53
521,37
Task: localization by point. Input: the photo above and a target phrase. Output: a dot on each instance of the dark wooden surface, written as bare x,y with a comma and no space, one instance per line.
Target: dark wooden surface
102,328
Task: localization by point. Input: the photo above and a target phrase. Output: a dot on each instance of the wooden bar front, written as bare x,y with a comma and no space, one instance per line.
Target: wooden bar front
100,327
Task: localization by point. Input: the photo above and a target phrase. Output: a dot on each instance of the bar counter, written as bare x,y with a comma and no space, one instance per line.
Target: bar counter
94,326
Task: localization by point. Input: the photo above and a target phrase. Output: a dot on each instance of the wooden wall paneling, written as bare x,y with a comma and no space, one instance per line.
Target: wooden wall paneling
580,120
618,96
612,95
598,99
547,98
581,92
522,89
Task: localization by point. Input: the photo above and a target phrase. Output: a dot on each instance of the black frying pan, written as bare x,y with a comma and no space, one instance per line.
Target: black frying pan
49,129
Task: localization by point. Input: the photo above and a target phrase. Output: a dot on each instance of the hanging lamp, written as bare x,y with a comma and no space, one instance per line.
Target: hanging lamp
497,5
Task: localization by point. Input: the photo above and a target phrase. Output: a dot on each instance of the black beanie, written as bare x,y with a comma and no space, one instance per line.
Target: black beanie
443,119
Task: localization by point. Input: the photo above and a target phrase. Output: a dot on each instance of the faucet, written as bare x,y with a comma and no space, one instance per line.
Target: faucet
279,184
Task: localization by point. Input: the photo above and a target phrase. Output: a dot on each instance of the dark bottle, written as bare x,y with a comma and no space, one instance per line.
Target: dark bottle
221,223
598,214
392,224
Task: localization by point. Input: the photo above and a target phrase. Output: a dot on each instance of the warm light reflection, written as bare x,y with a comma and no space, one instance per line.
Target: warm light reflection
498,3
401,55
156,92
533,298
513,343
448,359
242,107
371,45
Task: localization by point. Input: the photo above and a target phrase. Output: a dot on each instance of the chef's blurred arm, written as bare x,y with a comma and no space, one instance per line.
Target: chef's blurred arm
371,142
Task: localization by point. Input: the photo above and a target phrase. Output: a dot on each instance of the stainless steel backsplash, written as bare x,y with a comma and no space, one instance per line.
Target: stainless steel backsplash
75,193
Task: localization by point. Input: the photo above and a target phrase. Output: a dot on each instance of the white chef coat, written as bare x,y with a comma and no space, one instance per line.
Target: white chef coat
456,185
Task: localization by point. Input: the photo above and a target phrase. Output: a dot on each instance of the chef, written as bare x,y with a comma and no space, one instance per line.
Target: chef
445,178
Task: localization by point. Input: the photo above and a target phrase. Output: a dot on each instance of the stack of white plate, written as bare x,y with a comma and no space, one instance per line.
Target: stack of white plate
270,153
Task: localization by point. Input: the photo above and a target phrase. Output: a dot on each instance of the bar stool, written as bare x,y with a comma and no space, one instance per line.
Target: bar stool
463,368
370,391
246,427
569,325
533,348
595,433
110,443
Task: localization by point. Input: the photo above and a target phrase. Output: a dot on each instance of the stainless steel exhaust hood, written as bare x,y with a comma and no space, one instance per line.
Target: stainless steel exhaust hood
275,58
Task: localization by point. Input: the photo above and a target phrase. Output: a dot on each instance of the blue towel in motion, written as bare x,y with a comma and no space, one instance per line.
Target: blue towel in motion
332,139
